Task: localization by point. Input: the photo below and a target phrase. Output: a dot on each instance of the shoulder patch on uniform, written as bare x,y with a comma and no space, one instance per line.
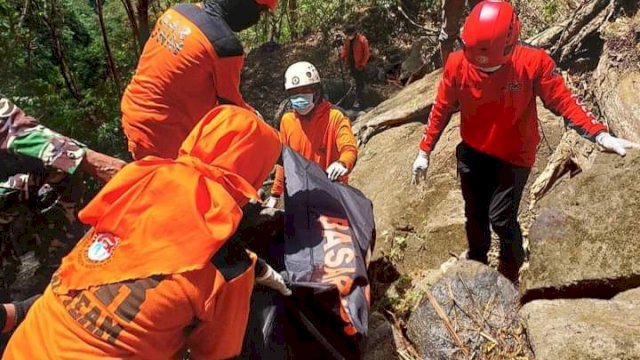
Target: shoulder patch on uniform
222,38
228,45
231,260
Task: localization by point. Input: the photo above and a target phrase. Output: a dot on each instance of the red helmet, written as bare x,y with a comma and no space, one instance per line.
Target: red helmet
490,33
272,4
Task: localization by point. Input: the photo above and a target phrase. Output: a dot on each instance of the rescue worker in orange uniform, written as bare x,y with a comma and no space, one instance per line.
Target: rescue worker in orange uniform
355,53
156,274
191,63
315,129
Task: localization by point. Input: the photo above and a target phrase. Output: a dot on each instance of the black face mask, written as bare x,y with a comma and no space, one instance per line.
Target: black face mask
239,14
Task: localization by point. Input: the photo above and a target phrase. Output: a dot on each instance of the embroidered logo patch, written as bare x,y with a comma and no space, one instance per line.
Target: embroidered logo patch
514,86
482,59
102,246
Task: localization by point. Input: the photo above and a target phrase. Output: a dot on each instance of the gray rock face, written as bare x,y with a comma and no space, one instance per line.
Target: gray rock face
585,240
380,343
630,295
432,212
475,299
586,329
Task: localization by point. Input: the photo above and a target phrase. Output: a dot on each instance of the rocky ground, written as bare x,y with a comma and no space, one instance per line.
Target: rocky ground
579,296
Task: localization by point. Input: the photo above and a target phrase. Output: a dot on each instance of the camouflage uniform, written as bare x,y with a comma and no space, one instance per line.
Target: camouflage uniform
39,190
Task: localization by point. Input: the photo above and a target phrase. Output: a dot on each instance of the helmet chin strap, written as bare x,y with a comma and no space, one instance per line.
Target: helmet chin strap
489,69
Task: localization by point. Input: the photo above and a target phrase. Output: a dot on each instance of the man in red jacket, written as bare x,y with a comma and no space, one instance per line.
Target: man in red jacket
494,81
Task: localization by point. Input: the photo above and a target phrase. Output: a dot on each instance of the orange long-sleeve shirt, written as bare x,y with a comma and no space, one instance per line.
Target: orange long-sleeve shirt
191,63
324,138
157,272
139,319
361,51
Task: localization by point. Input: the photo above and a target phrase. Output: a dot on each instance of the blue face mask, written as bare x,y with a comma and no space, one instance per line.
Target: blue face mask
302,103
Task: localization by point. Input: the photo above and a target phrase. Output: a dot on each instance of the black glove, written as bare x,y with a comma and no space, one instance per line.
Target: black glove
22,307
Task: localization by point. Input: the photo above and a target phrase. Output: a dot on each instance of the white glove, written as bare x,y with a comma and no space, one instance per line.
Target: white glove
615,144
272,279
420,166
271,202
336,170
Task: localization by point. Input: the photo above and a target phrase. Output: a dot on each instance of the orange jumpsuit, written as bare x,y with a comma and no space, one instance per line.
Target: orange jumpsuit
156,273
191,63
324,138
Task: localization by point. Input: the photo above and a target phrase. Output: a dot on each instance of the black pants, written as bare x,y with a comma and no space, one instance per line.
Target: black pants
359,77
492,190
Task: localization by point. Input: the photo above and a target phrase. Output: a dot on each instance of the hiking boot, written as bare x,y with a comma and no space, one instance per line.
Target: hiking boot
510,270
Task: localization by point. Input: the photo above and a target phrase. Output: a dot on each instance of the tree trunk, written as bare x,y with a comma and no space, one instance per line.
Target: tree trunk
111,65
25,12
128,8
58,52
585,22
616,80
143,21
293,18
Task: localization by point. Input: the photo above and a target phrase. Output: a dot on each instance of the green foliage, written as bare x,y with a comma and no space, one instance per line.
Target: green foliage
550,10
32,71
54,62
401,298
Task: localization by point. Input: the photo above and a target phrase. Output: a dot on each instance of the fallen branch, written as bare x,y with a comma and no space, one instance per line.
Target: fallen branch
447,323
548,37
407,352
430,31
572,156
584,22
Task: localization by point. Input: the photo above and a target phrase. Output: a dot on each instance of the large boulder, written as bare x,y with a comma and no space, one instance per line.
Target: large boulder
413,103
632,295
423,222
584,242
482,308
586,329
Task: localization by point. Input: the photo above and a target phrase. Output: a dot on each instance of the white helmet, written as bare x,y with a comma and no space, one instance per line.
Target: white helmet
301,74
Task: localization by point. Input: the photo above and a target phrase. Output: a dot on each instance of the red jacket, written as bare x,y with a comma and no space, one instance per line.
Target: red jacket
498,110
